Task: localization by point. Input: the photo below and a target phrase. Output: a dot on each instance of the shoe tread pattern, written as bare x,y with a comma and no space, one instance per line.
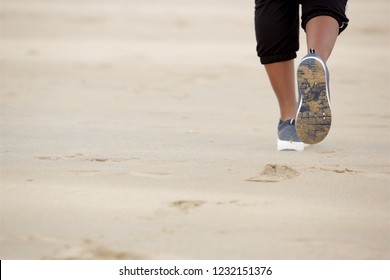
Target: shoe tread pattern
314,117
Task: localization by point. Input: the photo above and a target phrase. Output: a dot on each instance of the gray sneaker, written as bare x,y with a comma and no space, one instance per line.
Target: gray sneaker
288,139
314,116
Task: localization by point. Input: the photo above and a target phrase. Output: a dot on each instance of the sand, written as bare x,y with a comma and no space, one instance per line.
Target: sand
147,130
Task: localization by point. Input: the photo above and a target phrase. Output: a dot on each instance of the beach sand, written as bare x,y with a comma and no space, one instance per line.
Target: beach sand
147,130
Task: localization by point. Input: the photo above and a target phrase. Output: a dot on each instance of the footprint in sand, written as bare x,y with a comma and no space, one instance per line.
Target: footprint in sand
53,158
90,250
339,170
81,157
186,205
103,159
274,173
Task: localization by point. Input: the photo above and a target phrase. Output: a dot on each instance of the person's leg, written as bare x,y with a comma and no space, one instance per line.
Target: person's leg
277,34
323,21
321,35
281,76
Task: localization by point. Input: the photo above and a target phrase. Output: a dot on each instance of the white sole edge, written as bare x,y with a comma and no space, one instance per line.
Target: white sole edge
290,146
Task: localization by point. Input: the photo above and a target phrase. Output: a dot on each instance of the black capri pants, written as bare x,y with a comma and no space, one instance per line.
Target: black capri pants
277,24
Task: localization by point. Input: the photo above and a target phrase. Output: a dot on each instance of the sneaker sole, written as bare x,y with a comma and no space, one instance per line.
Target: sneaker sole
314,116
290,146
